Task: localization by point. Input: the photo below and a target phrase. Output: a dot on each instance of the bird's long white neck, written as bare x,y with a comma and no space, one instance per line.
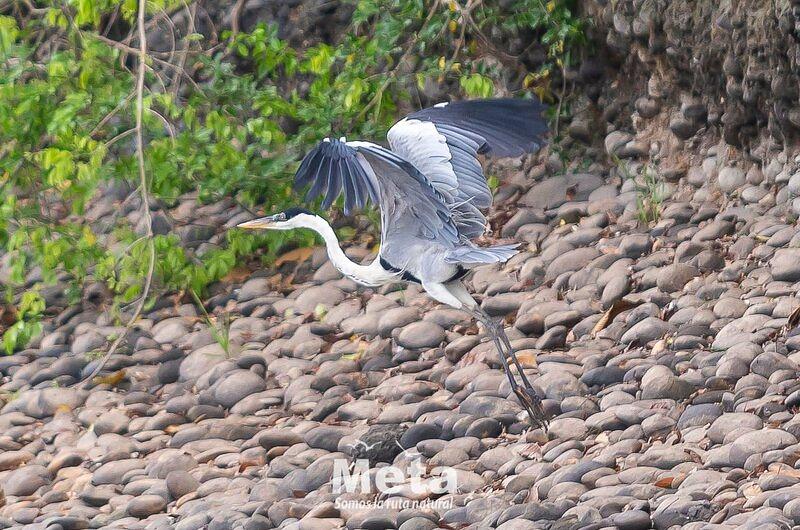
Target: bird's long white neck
371,275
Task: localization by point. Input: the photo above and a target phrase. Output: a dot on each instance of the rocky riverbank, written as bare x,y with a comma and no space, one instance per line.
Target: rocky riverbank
663,352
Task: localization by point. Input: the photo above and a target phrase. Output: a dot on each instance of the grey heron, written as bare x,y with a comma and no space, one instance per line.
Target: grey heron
431,191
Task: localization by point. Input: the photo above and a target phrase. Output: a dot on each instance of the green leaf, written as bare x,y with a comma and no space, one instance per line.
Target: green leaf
476,85
353,95
8,32
10,338
320,59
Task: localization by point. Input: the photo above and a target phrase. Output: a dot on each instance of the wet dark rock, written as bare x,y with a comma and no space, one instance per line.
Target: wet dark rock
236,386
379,444
417,433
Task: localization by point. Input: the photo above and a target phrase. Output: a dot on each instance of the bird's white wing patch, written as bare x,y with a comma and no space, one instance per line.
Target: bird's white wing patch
360,143
421,144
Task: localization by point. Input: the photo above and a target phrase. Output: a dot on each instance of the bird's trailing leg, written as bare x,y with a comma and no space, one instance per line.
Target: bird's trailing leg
455,294
524,392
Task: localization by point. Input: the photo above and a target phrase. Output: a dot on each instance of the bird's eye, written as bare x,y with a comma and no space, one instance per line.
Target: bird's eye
281,217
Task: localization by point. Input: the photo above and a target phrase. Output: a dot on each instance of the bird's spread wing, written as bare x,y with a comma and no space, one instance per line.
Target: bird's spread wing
410,206
331,166
444,142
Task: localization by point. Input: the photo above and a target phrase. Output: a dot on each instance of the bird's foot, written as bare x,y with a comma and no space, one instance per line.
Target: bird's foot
533,405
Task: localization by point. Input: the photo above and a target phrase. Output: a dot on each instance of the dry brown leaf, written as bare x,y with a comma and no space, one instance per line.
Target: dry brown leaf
8,316
611,313
63,408
751,490
780,468
244,463
286,283
110,379
237,275
298,255
609,250
527,359
361,348
192,495
794,318
665,482
275,281
792,458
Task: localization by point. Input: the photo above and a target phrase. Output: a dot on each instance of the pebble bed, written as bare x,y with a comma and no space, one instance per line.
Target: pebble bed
679,412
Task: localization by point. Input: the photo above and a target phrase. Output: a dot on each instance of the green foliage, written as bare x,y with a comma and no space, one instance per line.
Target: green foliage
650,191
225,117
563,36
650,194
28,324
221,331
477,85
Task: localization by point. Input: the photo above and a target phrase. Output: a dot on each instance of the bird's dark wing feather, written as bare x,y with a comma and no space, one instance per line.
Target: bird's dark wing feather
330,166
444,143
411,207
509,127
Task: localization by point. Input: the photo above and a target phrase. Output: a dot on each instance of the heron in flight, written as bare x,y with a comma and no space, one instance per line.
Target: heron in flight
431,191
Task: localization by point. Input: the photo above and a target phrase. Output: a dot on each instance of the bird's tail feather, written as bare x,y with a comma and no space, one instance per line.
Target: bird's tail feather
479,255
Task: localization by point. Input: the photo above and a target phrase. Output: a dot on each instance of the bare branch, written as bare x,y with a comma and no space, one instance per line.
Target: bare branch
111,114
145,198
176,80
235,14
166,122
119,137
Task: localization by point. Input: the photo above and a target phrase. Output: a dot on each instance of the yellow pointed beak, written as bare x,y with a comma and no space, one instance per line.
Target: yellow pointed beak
256,224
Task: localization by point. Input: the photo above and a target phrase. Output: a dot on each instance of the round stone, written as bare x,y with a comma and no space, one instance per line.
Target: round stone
146,505
419,335
236,386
